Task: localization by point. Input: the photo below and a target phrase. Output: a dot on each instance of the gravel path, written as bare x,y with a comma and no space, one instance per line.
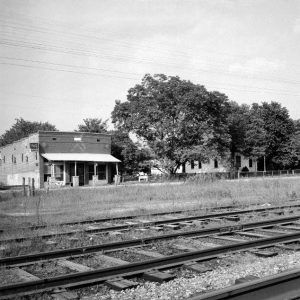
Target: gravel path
190,283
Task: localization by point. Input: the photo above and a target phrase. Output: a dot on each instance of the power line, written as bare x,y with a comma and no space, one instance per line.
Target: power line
79,52
95,37
68,71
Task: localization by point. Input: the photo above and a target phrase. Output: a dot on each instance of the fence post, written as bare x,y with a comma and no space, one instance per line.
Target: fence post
24,187
293,172
29,189
32,187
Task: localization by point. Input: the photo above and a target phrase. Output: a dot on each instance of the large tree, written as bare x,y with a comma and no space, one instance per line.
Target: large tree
93,125
133,156
22,128
177,119
269,134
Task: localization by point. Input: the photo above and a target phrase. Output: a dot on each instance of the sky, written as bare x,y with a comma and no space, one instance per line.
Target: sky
62,61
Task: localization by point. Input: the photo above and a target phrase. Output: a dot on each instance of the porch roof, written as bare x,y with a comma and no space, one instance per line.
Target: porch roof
95,157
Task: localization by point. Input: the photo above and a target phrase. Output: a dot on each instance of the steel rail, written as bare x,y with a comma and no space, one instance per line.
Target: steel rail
109,219
150,223
103,220
22,259
285,285
99,276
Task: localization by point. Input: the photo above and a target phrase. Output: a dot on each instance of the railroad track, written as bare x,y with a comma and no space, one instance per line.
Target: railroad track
120,218
149,224
65,253
285,285
151,269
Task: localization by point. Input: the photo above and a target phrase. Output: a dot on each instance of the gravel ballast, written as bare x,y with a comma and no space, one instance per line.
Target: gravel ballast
190,283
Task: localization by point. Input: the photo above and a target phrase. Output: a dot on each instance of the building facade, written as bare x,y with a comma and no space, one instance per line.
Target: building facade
58,158
241,163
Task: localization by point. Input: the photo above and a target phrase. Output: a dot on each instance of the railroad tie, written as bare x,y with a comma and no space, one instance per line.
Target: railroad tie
264,253
172,226
147,253
130,223
228,238
274,231
252,234
113,260
158,276
290,227
93,227
73,265
247,278
51,243
115,233
196,267
232,218
120,284
157,228
183,247
293,247
23,275
215,219
186,223
64,295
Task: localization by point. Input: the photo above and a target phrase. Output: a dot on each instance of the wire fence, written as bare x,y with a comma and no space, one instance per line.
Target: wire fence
210,176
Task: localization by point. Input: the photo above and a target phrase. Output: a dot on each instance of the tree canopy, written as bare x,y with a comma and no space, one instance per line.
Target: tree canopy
176,118
93,125
264,129
22,128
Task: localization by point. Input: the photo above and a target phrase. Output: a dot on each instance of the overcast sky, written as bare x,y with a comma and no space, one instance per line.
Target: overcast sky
62,61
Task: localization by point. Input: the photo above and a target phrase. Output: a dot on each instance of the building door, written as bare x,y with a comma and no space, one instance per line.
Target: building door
80,172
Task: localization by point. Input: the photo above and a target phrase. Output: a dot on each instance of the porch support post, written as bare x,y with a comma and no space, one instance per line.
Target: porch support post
52,169
75,168
117,169
65,173
95,168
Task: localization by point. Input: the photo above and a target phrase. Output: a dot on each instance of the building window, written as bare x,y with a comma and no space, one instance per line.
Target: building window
27,158
54,139
22,157
98,140
12,158
199,164
238,161
36,156
216,164
15,160
4,159
192,164
250,163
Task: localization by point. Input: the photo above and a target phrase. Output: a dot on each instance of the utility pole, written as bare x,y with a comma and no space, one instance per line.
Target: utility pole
264,163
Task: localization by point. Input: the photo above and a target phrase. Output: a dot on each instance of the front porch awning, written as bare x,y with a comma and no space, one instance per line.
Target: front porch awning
95,157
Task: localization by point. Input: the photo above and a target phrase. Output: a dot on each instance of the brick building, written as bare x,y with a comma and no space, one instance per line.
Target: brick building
59,158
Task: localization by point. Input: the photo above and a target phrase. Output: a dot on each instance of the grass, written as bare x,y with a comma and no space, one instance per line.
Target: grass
78,204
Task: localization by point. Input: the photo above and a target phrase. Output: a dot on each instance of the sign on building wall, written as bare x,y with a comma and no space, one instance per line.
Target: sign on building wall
34,147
